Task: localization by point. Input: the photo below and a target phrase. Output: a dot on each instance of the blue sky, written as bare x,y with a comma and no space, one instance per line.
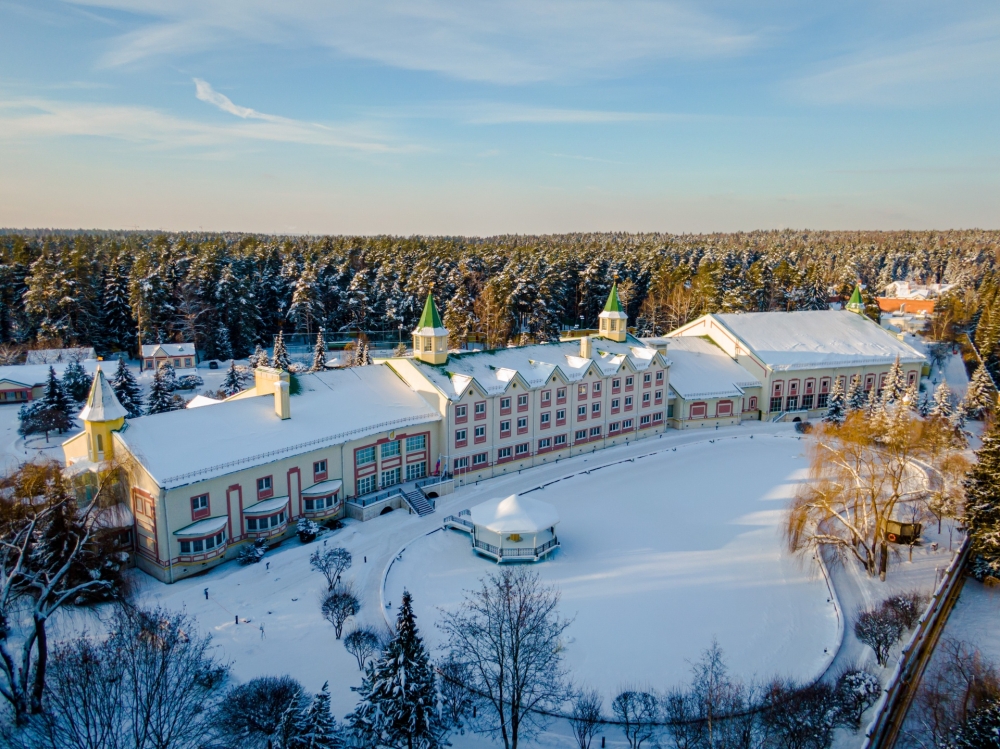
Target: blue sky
466,117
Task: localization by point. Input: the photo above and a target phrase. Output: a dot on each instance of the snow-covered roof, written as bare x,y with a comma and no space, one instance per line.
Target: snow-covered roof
102,403
205,527
816,338
53,355
267,507
700,369
181,447
31,375
323,488
494,371
167,349
514,514
202,400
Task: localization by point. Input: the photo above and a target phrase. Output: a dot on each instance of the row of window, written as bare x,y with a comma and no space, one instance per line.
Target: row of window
198,545
266,523
824,384
792,403
366,455
390,477
319,503
481,460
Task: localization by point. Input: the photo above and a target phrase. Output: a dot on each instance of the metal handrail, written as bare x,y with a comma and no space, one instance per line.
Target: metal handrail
514,552
459,521
371,499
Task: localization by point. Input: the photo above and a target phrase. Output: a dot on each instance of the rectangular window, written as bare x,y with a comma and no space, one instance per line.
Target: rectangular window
776,404
522,424
481,410
658,397
364,456
626,425
544,444
644,421
561,395
807,401
390,449
505,405
461,463
647,379
480,459
792,403
480,433
561,416
614,426
628,402
416,444
505,428
560,439
199,507
823,400
198,545
366,485
185,547
319,470
521,450
503,453
657,417
659,377
595,408
596,388
616,384
461,412
645,400
581,412
595,432
544,419
389,478
264,488
546,397
615,404
581,391
461,435
581,434
522,402
670,412
416,471
628,382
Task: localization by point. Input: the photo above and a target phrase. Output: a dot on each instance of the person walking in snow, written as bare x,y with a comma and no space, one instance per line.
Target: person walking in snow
262,636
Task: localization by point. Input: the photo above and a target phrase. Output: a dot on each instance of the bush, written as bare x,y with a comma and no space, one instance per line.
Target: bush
800,716
363,643
879,628
339,606
253,553
333,524
907,607
307,530
188,382
256,714
857,690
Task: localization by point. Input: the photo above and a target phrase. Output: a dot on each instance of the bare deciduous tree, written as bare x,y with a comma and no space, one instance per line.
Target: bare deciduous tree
878,628
259,713
509,634
457,699
332,562
586,716
339,606
362,643
636,711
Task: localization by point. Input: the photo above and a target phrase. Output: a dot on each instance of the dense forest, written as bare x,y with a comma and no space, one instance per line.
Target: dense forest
229,292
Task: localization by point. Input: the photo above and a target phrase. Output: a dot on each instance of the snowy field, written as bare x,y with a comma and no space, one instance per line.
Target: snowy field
658,557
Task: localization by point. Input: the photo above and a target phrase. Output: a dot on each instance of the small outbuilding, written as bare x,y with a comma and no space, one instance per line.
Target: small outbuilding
510,529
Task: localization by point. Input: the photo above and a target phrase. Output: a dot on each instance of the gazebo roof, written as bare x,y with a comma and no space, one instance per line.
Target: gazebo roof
514,514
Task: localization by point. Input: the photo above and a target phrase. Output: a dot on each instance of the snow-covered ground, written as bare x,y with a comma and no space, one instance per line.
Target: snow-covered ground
658,557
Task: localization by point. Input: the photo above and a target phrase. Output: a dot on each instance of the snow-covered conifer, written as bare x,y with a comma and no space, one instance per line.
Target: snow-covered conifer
76,382
161,396
169,375
836,410
233,382
856,396
982,506
895,384
942,407
57,404
280,358
319,353
981,395
316,727
398,705
127,389
259,358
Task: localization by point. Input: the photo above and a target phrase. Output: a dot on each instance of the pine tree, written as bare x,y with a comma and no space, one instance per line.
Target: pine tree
942,402
981,396
221,347
895,384
57,404
836,411
233,383
398,705
319,353
259,358
161,397
364,356
856,396
982,506
127,389
316,727
169,375
118,329
76,382
280,358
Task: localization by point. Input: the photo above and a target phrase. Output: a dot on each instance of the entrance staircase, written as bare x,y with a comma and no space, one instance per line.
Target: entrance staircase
418,502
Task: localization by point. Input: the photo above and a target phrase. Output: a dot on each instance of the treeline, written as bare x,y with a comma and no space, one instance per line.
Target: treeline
230,292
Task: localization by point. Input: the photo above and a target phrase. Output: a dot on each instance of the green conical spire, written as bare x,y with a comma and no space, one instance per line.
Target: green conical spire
430,317
613,305
856,303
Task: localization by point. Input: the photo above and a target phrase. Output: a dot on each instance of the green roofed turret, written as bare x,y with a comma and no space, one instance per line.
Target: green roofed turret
430,317
613,322
430,338
613,305
856,303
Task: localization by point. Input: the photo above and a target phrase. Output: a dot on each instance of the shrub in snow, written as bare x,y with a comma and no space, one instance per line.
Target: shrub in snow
879,628
457,700
333,524
260,713
307,530
253,553
332,563
188,382
339,606
800,716
362,643
980,731
857,690
907,607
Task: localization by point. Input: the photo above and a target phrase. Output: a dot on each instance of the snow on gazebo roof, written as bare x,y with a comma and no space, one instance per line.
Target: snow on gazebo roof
514,514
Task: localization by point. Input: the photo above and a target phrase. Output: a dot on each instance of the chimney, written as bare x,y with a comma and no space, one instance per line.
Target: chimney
265,377
585,351
282,407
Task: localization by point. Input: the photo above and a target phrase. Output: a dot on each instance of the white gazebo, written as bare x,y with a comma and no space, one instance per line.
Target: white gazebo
510,529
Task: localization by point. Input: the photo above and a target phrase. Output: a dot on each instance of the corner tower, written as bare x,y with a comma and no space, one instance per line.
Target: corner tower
102,415
430,338
613,322
856,304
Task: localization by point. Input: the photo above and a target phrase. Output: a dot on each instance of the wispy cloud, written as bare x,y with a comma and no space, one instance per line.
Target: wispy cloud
922,69
32,118
500,41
